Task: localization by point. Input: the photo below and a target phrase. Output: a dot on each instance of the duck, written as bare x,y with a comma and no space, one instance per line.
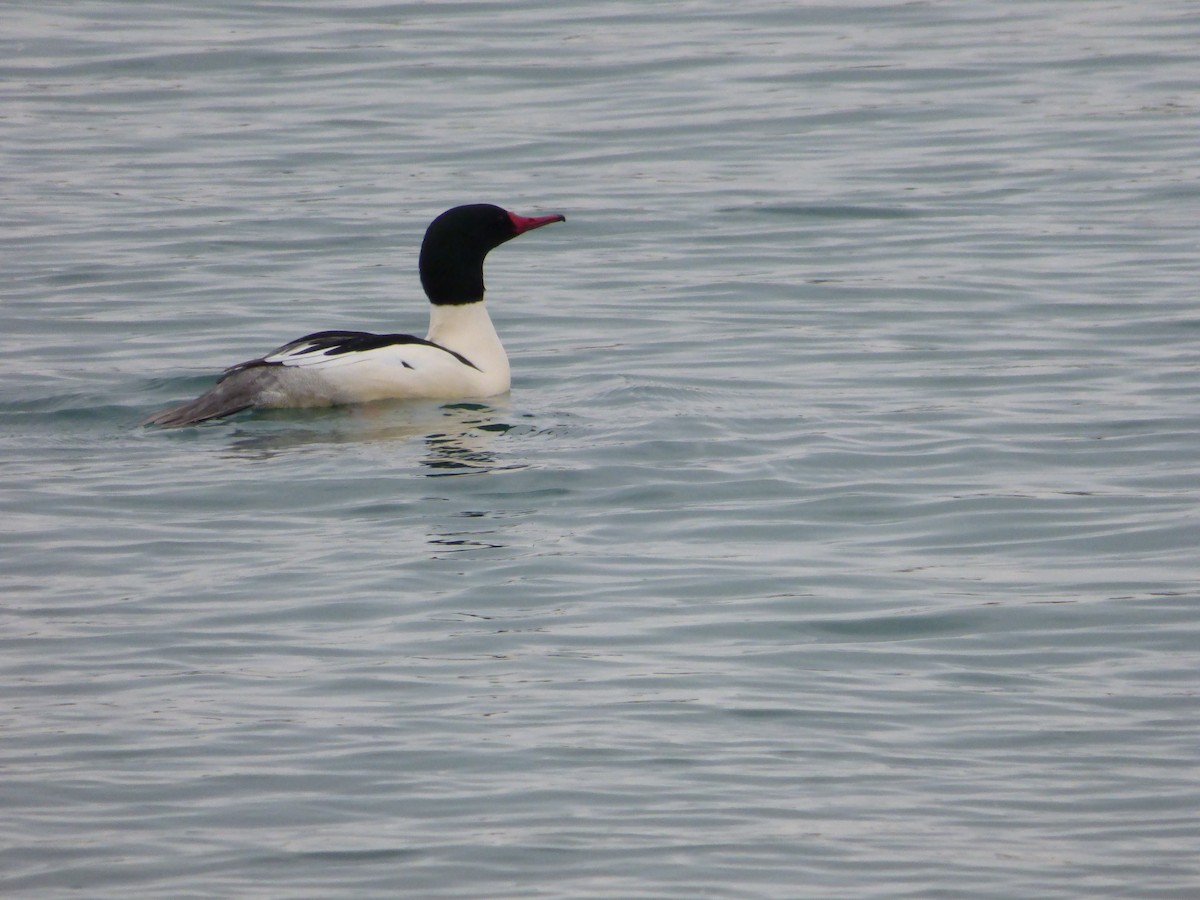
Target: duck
460,357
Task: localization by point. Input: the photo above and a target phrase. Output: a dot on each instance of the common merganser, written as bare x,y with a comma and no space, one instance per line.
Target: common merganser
461,357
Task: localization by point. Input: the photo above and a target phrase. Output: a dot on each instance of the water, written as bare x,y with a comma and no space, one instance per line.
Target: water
837,539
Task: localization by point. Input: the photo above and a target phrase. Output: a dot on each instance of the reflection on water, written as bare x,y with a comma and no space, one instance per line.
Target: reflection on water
464,449
424,437
458,437
473,535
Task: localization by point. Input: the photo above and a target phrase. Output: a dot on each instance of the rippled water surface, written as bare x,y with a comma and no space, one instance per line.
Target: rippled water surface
837,539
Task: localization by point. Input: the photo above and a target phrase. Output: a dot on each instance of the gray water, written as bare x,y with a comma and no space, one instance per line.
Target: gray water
838,538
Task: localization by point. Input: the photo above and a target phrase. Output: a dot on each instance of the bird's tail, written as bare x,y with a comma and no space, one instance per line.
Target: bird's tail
232,394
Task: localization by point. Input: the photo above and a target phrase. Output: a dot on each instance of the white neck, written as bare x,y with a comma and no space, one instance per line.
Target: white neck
467,328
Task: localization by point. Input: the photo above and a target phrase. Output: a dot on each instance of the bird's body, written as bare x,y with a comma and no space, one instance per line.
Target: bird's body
461,357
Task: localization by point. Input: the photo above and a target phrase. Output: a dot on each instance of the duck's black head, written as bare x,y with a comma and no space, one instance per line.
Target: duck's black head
457,242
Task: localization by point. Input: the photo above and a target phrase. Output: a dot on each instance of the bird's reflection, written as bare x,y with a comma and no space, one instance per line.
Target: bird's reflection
457,437
466,536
